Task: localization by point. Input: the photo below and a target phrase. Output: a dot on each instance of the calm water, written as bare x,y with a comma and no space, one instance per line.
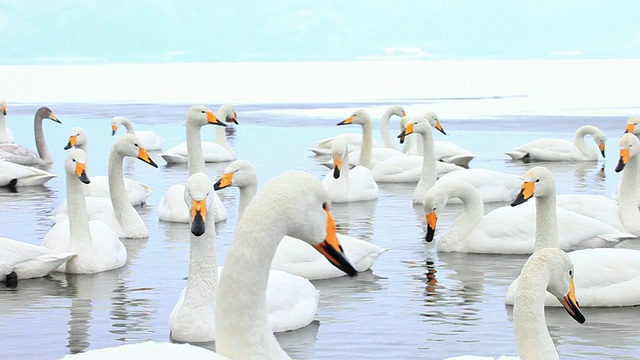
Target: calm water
415,304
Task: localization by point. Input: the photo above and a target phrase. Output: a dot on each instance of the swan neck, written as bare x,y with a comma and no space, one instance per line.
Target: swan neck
366,149
41,143
428,174
194,149
246,195
546,223
384,130
129,126
580,142
203,267
3,124
79,231
124,211
627,199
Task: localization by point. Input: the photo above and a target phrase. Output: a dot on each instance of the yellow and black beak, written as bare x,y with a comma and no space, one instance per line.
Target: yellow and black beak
4,110
601,147
54,118
526,192
234,118
404,113
624,159
332,250
114,128
73,140
630,128
571,304
432,219
337,165
225,181
144,156
408,130
198,216
346,121
81,172
439,127
212,119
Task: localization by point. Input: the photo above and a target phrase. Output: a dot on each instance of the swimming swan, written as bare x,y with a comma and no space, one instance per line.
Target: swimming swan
96,245
28,261
24,156
294,204
14,175
148,139
547,149
292,255
150,350
6,135
348,185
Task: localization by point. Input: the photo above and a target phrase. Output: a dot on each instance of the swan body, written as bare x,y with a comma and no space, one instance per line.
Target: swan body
13,175
6,135
149,349
297,206
29,261
547,149
220,151
348,185
494,186
507,230
22,155
172,206
148,139
292,255
407,169
96,246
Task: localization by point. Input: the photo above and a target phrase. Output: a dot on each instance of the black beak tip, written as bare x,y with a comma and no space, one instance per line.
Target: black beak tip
113,132
336,172
151,162
69,146
430,234
216,186
620,166
519,200
84,178
602,152
197,228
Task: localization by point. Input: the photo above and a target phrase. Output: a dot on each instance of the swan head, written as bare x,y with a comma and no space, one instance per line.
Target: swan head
129,145
397,110
633,125
199,199
538,181
115,123
76,164
227,113
46,113
629,147
240,173
200,115
360,117
302,206
3,107
338,152
420,125
600,139
77,138
561,273
433,202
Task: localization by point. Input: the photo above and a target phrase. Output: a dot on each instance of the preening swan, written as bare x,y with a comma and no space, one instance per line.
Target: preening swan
96,245
292,255
547,270
24,156
608,277
294,204
148,139
6,135
547,149
28,261
348,185
172,206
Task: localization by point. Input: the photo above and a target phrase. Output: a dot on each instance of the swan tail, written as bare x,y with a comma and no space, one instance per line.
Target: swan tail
320,151
460,160
616,238
516,155
173,159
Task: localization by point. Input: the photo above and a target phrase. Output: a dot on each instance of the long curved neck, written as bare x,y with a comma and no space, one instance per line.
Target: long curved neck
246,195
579,141
3,124
79,231
41,143
124,211
194,149
84,147
472,213
384,130
366,149
628,197
129,125
546,223
428,174
203,268
532,336
221,139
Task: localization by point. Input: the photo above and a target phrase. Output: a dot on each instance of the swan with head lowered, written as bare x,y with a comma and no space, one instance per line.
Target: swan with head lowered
348,185
219,151
295,204
96,246
117,211
292,255
24,156
608,277
547,271
172,206
148,139
6,135
15,175
548,149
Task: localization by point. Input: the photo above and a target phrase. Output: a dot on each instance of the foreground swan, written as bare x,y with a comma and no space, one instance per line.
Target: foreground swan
6,135
219,151
294,204
117,211
292,255
292,301
96,245
507,230
28,261
150,350
24,156
607,277
348,185
546,270
547,149
172,206
137,192
148,139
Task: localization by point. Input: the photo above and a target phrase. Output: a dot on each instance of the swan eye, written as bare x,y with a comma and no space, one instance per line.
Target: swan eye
325,206
74,160
434,208
136,145
537,180
571,273
203,111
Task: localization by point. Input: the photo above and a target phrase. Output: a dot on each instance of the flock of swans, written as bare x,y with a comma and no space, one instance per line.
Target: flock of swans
264,286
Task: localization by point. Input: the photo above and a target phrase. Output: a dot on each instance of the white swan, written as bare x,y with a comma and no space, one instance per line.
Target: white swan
507,230
547,270
294,204
354,140
150,350
292,255
22,155
117,211
633,127
219,151
547,149
6,135
608,277
494,186
148,139
28,261
172,206
348,185
13,175
137,192
96,245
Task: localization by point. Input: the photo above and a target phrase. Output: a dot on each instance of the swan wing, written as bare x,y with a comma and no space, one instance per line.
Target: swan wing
25,175
292,301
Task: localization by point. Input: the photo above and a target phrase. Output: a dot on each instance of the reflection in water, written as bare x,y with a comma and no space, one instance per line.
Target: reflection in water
355,218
